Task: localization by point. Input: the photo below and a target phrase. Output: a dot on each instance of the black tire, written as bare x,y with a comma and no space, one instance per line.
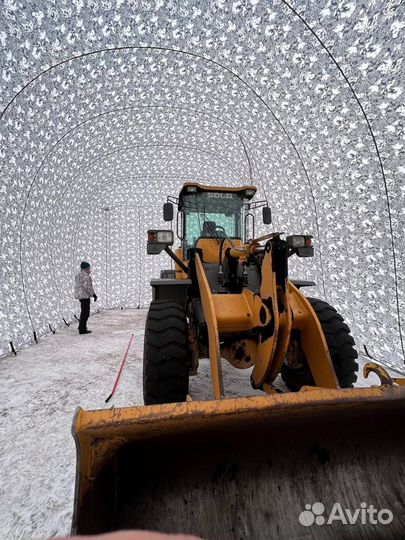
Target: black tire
341,349
166,363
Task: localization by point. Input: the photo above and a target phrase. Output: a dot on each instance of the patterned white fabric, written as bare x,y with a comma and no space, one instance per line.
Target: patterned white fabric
108,107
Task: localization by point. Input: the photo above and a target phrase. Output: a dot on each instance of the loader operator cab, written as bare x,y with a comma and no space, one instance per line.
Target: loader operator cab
206,215
211,220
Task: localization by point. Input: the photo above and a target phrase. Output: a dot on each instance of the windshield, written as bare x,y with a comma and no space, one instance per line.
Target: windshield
212,215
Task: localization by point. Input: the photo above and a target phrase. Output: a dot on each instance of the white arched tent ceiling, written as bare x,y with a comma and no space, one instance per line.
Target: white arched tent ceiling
108,107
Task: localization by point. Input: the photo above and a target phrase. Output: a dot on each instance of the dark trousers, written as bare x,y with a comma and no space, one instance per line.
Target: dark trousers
84,314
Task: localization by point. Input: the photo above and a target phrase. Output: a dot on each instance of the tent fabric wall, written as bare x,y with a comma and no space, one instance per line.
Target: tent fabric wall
108,107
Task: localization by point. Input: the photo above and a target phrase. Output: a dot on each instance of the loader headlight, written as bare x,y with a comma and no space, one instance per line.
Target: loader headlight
299,241
160,237
301,244
158,240
164,237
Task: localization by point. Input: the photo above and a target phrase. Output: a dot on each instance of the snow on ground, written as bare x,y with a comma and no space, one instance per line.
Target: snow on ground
42,387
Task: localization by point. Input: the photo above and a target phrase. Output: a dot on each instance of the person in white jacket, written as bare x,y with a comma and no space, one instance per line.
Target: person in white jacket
83,292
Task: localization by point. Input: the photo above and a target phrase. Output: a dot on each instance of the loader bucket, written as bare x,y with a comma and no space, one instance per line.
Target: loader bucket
247,468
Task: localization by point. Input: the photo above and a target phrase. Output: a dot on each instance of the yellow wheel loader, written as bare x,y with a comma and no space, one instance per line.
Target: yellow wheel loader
322,461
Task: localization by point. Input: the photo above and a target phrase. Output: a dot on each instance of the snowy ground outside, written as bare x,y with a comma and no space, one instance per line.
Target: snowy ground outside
42,387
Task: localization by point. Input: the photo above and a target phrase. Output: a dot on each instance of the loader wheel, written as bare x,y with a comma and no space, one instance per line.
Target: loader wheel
341,349
166,363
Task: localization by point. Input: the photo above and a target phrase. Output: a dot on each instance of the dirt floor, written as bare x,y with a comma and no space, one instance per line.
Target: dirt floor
42,387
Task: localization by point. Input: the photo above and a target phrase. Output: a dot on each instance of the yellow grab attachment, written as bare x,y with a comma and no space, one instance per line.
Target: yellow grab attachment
246,467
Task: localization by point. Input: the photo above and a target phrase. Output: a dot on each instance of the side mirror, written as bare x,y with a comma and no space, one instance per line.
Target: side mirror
168,211
266,215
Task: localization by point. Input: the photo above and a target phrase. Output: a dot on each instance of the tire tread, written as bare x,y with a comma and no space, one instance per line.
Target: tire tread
166,360
341,348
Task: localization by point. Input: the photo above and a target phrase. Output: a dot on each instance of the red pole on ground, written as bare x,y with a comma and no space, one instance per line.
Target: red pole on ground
120,370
